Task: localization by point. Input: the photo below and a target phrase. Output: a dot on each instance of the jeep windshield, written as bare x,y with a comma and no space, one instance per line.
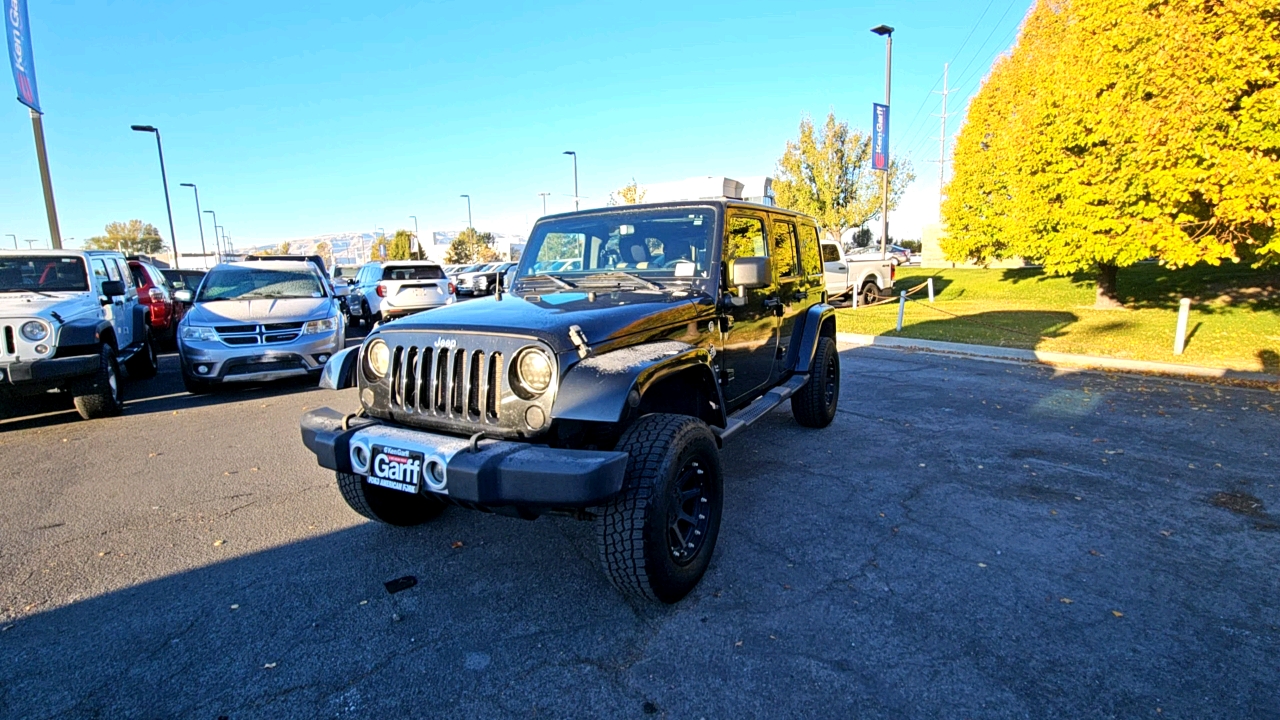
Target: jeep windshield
641,248
233,282
43,273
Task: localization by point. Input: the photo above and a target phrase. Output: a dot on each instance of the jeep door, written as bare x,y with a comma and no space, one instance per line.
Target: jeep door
793,286
749,323
116,310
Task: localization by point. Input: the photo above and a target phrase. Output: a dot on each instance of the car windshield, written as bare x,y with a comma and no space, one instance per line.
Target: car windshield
246,283
43,273
669,243
412,272
345,272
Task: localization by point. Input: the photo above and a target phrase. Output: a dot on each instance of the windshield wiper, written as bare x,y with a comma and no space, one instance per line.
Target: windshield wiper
565,284
619,274
27,290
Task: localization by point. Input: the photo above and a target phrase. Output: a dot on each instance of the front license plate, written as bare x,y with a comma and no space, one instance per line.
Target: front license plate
395,468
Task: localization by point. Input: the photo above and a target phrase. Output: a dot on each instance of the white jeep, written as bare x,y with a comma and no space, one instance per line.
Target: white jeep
68,320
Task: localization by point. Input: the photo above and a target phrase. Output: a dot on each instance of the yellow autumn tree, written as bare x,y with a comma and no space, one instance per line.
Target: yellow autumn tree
1120,130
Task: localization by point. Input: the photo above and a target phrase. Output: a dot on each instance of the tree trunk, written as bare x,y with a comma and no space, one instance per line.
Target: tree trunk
1108,297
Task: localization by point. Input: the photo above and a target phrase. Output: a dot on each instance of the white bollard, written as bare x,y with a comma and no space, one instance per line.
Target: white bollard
1180,336
930,289
902,306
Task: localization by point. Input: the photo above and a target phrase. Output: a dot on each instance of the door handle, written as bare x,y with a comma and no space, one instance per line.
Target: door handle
774,304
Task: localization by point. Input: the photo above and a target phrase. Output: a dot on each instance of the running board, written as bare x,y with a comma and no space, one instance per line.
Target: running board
761,407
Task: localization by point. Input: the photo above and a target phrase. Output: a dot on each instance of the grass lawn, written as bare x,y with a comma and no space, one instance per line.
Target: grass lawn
1234,322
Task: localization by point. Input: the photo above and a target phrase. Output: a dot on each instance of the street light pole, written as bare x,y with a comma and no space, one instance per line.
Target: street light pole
199,221
544,202
165,181
216,242
31,243
469,224
887,32
575,177
15,240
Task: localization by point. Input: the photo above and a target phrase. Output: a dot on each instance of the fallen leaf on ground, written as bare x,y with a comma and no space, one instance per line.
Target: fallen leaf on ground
216,543
456,544
1166,533
1117,613
738,644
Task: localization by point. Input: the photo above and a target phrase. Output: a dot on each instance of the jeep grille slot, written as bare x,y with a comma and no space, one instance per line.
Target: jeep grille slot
9,347
493,388
457,388
475,382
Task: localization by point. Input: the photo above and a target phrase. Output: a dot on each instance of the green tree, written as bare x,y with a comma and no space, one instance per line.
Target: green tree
400,246
827,174
629,194
1166,147
132,238
471,247
325,251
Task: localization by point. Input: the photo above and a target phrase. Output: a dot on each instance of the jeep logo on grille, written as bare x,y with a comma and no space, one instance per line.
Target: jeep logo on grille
446,343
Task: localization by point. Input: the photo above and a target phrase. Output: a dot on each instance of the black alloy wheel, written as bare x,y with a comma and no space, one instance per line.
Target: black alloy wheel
689,513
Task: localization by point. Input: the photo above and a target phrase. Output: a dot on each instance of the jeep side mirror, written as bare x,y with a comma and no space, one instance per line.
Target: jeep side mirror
750,273
183,296
112,288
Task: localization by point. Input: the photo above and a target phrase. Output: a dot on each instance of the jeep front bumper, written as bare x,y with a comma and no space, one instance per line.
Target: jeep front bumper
497,473
41,375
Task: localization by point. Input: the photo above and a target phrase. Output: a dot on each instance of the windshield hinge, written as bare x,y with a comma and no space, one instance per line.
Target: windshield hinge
579,341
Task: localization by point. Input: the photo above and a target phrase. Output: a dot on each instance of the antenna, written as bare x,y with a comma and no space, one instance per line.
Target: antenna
942,139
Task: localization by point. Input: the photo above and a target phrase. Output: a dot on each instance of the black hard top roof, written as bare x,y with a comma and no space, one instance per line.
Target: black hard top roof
714,202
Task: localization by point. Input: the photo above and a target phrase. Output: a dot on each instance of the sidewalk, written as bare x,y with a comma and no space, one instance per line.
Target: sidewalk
1065,360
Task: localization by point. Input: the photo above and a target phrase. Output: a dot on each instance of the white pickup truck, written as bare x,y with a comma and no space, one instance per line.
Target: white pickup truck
866,276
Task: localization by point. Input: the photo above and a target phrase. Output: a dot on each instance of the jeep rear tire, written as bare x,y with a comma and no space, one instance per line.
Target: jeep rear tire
105,399
388,506
814,405
144,364
657,536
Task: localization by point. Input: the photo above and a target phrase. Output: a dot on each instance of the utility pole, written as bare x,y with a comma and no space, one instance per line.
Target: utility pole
204,254
217,241
544,201
942,139
575,176
15,240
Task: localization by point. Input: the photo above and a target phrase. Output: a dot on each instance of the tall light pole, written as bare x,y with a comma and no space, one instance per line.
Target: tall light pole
887,33
165,181
415,234
15,240
217,243
468,197
544,202
575,177
199,221
31,243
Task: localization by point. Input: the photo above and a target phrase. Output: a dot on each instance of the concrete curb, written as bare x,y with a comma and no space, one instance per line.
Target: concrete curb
1065,360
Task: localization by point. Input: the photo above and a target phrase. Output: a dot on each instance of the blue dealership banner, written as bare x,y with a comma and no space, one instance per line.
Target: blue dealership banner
880,137
18,38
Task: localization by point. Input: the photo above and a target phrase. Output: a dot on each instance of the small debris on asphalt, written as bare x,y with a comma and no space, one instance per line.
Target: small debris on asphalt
738,644
395,617
400,583
6,628
1065,601
364,602
268,666
1166,533
1117,613
456,544
217,543
982,565
235,607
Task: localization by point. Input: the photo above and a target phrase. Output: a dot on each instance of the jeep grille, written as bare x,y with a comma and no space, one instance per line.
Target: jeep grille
457,382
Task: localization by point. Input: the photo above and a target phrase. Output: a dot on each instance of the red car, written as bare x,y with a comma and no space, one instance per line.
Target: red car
155,293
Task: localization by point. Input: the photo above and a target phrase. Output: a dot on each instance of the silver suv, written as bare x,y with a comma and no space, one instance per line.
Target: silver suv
388,290
68,320
259,321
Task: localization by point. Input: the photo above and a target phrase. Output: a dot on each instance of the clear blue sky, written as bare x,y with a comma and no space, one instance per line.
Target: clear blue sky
302,118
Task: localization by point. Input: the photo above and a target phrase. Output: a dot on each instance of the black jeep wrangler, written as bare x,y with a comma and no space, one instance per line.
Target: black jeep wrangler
601,388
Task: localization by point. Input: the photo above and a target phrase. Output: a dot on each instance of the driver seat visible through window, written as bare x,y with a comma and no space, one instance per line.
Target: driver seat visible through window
634,253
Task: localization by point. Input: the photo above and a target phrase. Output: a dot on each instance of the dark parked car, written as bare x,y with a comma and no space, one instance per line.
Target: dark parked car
184,278
601,392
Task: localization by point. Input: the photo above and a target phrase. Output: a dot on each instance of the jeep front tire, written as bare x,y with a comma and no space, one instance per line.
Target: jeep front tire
388,506
105,398
657,536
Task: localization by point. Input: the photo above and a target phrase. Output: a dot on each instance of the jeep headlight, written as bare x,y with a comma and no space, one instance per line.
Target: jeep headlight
533,371
198,332
315,327
377,358
35,330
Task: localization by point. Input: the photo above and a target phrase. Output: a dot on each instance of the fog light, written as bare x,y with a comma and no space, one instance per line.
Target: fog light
435,476
1,375
202,369
534,417
322,358
42,349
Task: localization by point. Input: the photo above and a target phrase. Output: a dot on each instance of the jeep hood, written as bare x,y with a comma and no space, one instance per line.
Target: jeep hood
548,317
66,305
259,310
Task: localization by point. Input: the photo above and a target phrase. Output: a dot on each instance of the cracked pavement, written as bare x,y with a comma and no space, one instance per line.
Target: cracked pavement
968,539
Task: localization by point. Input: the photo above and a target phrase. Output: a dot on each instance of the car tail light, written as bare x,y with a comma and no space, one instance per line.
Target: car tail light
382,290
893,272
157,295
453,289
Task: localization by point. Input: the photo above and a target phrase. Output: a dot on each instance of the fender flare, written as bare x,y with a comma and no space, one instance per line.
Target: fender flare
81,336
819,321
599,388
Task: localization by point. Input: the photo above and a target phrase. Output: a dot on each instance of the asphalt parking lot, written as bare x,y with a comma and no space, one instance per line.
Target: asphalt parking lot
969,539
